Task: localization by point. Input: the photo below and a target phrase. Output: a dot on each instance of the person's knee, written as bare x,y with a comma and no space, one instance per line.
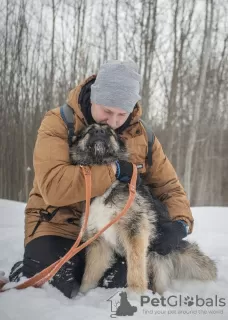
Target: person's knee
42,252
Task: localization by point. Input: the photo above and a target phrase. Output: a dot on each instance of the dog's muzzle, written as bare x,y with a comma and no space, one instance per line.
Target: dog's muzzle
98,142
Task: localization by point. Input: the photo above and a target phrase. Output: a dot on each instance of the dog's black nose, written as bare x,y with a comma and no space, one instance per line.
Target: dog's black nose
100,132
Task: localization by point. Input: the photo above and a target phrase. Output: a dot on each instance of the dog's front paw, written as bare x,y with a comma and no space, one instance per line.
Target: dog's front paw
158,287
85,287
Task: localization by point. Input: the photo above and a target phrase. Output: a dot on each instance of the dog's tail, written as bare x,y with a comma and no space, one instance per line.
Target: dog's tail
188,263
192,263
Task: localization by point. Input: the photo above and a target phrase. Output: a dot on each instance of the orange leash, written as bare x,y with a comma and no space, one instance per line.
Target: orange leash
39,279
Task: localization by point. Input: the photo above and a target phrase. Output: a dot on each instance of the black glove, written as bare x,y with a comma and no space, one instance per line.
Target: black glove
124,172
169,236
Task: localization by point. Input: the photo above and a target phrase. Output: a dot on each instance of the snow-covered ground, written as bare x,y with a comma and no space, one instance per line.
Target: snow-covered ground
210,232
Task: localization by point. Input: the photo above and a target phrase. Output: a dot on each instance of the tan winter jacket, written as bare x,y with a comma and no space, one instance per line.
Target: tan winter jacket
57,183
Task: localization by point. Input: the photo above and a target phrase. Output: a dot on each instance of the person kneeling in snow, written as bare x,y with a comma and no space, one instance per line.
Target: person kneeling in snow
57,199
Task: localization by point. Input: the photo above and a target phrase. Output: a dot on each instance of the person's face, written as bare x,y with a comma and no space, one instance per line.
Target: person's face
113,116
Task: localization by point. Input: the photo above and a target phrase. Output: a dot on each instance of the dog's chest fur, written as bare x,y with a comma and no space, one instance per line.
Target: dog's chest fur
104,208
100,215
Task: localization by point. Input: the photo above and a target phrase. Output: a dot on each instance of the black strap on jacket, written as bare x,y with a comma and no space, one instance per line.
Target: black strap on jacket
67,114
150,138
46,216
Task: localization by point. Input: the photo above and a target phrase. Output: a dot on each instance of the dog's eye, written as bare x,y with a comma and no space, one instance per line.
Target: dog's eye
88,131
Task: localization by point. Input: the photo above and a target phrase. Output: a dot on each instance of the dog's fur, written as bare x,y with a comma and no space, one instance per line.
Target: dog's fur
132,234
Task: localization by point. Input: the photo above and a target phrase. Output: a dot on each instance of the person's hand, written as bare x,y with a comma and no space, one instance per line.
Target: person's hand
124,171
170,235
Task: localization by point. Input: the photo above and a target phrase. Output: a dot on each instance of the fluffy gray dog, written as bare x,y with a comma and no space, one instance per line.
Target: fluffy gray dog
135,231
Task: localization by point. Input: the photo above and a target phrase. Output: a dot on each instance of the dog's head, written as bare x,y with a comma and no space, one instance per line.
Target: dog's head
97,144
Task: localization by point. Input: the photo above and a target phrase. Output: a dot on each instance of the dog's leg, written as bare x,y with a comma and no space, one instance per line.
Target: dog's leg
135,245
160,271
99,257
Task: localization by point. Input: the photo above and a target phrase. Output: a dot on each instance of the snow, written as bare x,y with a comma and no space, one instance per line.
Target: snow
210,231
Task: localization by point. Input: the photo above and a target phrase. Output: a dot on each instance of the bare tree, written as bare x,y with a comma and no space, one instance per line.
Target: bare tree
46,49
205,57
117,26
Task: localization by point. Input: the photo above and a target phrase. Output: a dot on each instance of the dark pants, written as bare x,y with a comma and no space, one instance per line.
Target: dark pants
43,251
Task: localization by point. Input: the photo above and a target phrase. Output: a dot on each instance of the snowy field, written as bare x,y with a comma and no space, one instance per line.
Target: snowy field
206,301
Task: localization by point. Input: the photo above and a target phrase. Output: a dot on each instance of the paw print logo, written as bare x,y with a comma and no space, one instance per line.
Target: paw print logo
188,301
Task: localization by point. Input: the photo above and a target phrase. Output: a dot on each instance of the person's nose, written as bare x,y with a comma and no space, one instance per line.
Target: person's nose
112,122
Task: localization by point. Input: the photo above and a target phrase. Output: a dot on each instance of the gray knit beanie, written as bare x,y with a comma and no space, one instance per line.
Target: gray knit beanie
117,85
